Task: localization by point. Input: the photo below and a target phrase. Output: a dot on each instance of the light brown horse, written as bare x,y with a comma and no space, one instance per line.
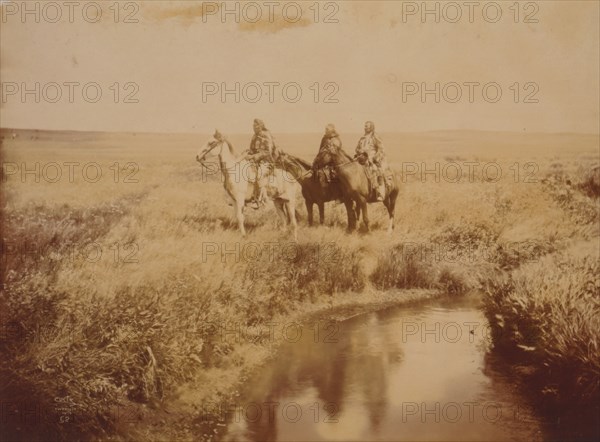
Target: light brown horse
354,183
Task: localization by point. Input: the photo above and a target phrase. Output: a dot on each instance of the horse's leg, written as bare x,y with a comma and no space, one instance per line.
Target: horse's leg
279,205
309,210
291,210
239,215
362,202
391,206
357,211
286,213
351,215
321,212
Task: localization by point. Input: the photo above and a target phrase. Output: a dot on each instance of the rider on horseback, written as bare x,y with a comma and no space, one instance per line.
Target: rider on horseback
370,149
262,153
330,141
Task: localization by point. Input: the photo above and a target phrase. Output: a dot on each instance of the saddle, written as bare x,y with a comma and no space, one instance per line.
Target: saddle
326,175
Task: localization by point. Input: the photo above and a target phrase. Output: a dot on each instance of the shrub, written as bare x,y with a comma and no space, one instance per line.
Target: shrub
451,283
399,268
466,237
511,256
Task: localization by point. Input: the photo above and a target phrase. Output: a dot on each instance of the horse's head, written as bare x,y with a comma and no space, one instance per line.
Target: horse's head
213,143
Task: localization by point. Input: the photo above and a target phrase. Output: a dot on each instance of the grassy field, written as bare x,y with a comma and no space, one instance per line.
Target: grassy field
108,281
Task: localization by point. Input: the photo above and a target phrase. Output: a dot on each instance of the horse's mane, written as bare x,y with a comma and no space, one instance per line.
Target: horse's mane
230,146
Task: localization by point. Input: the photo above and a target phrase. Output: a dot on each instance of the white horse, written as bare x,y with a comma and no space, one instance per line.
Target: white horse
239,177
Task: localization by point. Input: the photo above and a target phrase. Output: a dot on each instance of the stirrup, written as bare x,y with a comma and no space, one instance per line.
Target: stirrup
254,203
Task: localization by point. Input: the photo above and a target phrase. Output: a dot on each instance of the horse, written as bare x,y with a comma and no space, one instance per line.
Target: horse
354,183
239,175
312,190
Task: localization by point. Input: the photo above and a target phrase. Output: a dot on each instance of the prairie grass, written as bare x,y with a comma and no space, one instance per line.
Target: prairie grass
129,325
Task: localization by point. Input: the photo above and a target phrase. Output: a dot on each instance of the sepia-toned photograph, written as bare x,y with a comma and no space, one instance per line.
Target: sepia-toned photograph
264,221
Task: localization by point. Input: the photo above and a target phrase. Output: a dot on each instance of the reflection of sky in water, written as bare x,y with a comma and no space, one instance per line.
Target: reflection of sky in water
379,382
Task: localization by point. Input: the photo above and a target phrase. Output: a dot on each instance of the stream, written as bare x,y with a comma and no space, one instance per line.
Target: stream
413,372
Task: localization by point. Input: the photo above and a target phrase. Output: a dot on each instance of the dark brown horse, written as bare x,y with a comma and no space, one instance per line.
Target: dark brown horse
313,190
354,183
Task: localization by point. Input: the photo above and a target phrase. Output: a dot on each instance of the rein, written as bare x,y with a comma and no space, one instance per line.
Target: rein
201,160
219,143
346,163
352,161
305,174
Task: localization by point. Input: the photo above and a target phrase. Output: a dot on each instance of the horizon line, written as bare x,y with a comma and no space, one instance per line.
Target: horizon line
292,133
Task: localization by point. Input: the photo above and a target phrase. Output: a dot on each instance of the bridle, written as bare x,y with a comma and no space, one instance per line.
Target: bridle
210,149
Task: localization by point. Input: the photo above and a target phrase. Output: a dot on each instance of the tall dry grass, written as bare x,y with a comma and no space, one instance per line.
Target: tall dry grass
117,330
549,314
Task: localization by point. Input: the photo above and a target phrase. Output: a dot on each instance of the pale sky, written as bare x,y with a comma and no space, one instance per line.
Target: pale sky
372,54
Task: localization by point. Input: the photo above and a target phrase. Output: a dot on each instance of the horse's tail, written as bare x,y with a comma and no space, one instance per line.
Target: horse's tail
286,157
295,166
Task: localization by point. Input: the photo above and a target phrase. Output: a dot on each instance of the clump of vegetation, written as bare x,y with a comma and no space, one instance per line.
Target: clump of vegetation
39,237
589,183
549,312
481,244
302,273
577,193
466,237
399,267
451,282
510,256
403,267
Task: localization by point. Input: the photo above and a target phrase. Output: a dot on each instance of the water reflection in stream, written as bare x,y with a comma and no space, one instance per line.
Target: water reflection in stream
419,372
